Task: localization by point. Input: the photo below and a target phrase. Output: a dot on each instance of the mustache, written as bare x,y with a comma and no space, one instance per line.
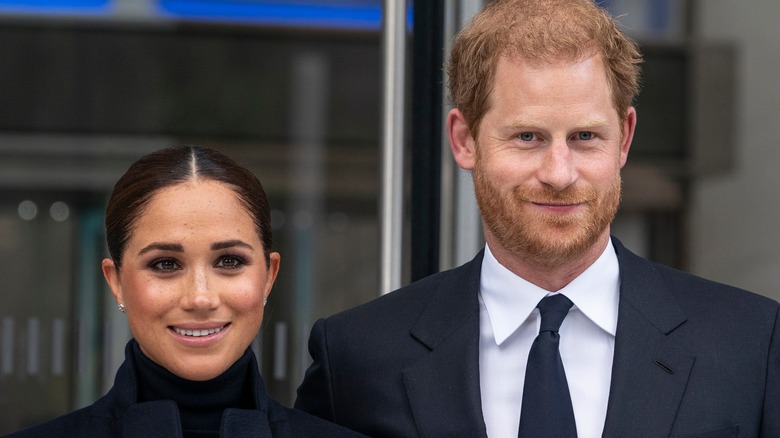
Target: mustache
548,195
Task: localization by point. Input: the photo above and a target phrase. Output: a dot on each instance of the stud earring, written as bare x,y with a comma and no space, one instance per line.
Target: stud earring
121,307
265,301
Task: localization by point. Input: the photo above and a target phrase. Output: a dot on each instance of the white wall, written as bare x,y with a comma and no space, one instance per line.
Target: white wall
735,217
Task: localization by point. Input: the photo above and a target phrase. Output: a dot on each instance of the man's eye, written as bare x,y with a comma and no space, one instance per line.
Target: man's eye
230,262
585,135
165,265
526,136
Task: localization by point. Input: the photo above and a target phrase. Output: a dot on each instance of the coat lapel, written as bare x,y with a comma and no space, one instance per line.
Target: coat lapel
650,371
154,419
245,423
443,387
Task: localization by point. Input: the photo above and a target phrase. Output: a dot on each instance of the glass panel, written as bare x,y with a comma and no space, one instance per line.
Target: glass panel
37,241
300,107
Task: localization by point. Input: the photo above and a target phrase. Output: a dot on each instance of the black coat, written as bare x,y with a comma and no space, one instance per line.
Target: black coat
117,414
692,358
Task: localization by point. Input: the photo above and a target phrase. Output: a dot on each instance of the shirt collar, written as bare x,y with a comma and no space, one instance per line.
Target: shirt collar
510,299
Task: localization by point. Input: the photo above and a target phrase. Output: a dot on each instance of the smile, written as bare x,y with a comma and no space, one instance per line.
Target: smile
552,204
197,333
558,206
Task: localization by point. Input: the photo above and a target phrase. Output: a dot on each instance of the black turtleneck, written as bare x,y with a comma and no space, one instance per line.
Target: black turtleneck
201,404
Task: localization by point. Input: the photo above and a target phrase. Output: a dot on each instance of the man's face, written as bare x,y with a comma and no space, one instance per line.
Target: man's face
548,159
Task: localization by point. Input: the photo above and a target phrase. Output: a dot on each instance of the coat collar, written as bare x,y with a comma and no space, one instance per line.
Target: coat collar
160,418
443,387
650,370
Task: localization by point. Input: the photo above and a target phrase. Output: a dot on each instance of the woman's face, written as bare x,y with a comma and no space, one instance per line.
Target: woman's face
193,279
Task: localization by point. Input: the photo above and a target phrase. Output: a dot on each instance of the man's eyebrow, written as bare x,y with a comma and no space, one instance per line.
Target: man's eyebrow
230,244
596,122
162,246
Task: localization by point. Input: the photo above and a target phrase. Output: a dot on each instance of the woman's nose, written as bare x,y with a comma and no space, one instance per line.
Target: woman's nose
200,295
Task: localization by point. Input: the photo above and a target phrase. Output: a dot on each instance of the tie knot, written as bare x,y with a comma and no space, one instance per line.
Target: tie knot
553,310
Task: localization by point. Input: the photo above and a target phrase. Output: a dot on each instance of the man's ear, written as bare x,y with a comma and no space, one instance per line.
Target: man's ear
462,143
629,126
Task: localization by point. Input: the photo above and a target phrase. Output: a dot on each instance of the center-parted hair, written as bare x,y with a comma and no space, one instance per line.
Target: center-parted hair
169,167
540,31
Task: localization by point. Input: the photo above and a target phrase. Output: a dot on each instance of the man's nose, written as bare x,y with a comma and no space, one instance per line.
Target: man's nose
556,168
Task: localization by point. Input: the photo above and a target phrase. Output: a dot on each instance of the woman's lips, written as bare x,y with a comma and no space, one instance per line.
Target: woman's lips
197,332
200,335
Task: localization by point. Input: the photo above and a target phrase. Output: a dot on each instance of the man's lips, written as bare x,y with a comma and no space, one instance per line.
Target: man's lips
559,205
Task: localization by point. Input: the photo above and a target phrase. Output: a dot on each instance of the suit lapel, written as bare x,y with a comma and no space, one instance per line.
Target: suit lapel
443,387
650,371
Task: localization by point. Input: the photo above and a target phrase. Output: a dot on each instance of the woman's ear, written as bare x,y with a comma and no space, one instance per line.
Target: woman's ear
111,273
273,270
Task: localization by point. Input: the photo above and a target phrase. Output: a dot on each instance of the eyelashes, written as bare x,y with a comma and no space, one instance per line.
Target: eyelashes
226,261
230,261
164,265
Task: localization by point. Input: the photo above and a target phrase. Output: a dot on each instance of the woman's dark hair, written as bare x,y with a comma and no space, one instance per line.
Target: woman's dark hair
169,167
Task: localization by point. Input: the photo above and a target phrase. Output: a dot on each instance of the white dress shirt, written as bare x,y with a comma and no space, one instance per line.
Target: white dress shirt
509,323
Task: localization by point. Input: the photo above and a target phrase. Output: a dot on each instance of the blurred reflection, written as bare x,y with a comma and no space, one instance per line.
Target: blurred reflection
85,96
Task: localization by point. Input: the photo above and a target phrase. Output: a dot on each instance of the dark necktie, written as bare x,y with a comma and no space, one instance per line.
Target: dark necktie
547,410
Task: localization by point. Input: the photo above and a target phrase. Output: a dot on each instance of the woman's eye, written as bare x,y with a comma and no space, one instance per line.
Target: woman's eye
526,136
585,135
230,262
165,265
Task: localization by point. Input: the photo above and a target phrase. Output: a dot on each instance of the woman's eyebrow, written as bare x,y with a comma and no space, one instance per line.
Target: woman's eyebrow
162,246
230,244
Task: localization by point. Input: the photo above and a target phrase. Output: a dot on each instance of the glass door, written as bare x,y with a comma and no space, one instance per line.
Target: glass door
87,93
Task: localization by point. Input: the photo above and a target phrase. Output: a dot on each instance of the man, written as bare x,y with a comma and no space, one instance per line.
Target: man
542,91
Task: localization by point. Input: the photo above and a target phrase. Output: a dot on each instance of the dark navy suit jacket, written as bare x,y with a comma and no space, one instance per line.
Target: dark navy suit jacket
692,358
117,414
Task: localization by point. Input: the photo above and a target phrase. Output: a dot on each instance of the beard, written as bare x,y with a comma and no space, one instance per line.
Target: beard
542,238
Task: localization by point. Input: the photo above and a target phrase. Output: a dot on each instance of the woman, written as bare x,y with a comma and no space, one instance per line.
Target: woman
191,265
